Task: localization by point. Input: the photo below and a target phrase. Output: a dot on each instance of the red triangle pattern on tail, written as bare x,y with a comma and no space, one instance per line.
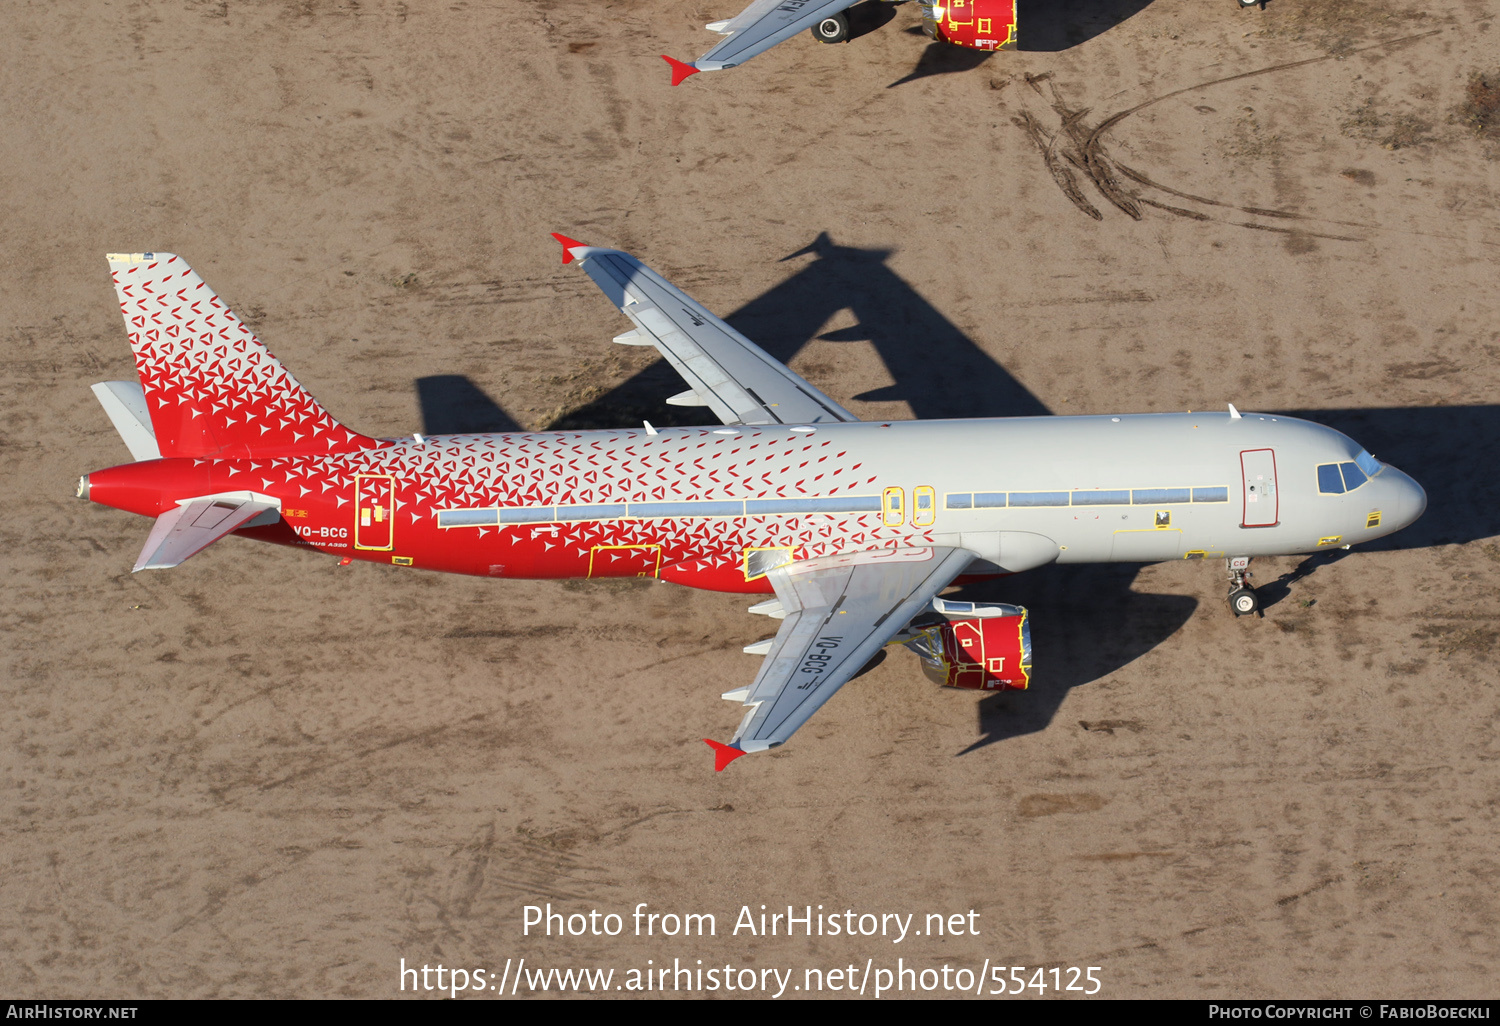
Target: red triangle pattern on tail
211,387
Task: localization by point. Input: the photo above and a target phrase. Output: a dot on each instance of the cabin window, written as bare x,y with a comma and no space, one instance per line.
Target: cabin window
1210,494
525,515
832,504
466,518
1039,498
686,509
1157,496
989,500
1113,498
960,500
590,512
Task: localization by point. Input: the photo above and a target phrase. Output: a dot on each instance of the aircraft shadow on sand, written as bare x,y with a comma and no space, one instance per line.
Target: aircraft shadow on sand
1053,25
1087,622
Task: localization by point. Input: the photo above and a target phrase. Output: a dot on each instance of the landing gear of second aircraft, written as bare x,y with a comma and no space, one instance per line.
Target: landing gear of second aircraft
832,29
1243,601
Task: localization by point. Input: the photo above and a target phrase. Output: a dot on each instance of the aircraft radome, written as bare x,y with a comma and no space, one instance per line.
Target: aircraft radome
973,24
850,529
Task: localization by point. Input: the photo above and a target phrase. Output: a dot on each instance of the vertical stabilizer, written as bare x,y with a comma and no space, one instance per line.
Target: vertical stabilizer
211,387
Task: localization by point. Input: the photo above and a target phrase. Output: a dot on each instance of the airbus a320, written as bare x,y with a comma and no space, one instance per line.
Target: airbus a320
849,530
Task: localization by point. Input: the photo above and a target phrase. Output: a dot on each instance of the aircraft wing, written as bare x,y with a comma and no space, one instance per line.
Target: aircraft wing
756,29
196,524
724,370
839,612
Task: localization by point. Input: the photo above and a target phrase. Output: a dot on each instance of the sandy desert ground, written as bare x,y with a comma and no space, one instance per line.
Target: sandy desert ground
262,774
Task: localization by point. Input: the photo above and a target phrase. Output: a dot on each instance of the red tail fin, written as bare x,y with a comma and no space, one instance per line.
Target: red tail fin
211,387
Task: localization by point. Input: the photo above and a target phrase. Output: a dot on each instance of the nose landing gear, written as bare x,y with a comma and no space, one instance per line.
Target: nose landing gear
1243,601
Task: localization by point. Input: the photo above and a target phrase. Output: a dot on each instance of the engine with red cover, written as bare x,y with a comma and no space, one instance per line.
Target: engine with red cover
976,24
990,651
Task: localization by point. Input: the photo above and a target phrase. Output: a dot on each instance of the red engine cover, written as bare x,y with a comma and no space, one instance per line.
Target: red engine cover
992,653
977,24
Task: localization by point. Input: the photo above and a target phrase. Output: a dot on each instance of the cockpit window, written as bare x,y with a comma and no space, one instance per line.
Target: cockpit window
1369,464
1330,482
1353,476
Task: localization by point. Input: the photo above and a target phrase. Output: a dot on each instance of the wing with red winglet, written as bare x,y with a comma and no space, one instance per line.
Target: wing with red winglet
839,611
758,28
724,370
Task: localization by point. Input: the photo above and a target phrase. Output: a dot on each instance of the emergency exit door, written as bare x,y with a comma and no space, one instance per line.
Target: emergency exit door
1261,503
374,511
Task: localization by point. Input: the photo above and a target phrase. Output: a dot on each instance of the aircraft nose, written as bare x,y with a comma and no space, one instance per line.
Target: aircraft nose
1412,498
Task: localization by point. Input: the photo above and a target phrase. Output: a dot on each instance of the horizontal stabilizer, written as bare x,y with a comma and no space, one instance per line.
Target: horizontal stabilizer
125,403
196,524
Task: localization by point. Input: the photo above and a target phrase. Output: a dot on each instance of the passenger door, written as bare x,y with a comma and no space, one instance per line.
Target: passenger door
1261,504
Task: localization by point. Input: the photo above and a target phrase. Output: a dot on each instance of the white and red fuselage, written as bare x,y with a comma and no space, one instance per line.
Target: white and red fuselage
693,505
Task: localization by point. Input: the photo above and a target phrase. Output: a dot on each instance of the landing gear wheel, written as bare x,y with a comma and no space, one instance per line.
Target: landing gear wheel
1250,3
1244,601
1242,598
833,29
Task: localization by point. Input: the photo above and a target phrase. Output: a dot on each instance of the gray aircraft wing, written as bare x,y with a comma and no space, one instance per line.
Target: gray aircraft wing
756,29
723,369
839,612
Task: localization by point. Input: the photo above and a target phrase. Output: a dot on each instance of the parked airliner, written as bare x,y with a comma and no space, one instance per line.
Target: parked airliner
986,25
850,528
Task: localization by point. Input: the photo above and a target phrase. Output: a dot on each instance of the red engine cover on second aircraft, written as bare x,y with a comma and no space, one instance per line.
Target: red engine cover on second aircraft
977,24
991,653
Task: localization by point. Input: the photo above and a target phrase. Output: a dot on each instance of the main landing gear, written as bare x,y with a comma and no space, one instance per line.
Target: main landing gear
1242,598
832,29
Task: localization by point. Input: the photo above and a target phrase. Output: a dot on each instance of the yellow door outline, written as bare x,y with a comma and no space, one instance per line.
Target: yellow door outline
377,514
923,506
893,513
655,570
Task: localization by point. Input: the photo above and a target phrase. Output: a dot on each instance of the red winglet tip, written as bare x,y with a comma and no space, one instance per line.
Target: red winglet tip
680,71
723,754
568,246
